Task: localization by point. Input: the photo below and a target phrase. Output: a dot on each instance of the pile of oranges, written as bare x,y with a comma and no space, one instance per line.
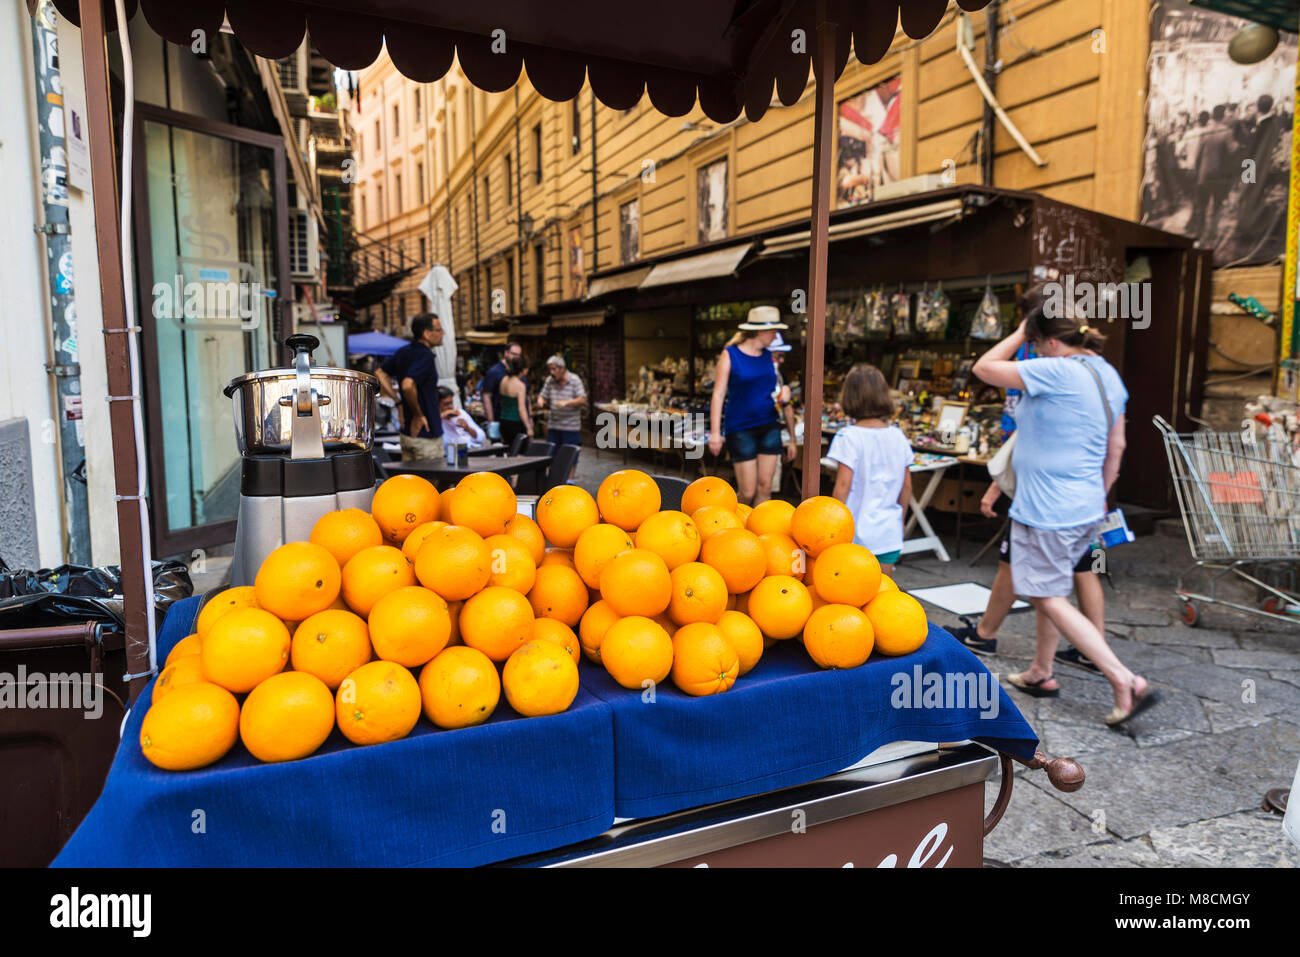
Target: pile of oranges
439,604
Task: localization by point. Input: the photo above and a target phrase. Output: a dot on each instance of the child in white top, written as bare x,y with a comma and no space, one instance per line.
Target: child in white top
874,457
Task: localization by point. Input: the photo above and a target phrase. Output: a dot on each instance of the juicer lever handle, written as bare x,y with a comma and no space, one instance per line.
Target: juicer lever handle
302,346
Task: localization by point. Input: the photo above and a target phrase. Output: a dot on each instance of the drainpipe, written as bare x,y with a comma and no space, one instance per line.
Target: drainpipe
473,146
519,210
62,351
595,222
991,79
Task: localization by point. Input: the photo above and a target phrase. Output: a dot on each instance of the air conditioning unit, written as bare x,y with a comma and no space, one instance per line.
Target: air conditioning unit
304,245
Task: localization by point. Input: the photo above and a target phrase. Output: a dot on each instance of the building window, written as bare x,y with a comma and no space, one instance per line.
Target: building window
537,151
397,194
711,201
424,249
417,106
509,183
575,128
362,223
381,211
419,183
510,285
397,123
539,278
629,231
487,199
378,139
361,144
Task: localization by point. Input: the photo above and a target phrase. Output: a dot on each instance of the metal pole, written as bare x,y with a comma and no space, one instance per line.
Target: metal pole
991,79
815,341
103,171
61,306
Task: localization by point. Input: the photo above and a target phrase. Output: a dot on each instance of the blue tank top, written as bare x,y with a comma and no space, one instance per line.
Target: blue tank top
749,391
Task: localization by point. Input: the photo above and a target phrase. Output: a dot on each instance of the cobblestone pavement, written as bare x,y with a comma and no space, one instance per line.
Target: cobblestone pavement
1183,785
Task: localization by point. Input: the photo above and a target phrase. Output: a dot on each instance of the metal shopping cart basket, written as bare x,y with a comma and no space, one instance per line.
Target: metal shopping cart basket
1240,497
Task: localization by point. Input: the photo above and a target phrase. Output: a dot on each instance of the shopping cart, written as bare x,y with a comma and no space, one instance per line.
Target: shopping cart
1239,493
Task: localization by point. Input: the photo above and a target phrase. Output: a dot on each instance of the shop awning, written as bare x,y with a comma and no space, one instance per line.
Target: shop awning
629,279
1282,14
710,265
486,337
726,54
866,226
579,320
529,329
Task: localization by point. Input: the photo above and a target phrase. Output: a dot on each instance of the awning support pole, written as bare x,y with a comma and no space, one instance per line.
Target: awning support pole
815,340
103,172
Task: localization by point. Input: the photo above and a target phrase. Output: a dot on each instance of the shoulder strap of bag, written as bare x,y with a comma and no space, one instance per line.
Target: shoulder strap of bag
1105,402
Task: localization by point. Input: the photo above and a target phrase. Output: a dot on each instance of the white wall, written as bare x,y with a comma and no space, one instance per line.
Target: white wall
25,388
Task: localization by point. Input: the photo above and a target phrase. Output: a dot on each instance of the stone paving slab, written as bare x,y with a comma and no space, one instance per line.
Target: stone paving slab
1107,853
1179,635
1263,660
1247,839
1035,821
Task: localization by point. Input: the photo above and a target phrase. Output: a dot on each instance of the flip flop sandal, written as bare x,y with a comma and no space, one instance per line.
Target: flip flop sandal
1116,717
1034,688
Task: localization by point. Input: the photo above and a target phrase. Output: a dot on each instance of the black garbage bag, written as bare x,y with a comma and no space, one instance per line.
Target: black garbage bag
75,593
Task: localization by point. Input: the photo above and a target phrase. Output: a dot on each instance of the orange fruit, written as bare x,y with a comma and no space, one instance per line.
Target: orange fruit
409,626
455,562
564,513
784,557
591,630
846,574
743,512
886,584
637,583
704,662
403,503
558,556
244,648
187,646
743,635
628,497
898,621
559,593
635,650
699,593
242,596
712,519
460,688
553,630
287,717
496,621
484,501
738,555
670,535
820,522
596,547
838,636
540,679
378,702
331,644
345,532
779,606
512,563
530,533
191,727
297,580
373,573
709,490
773,515
183,671
411,547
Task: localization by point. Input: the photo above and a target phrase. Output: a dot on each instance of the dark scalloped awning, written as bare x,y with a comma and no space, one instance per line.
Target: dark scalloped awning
727,54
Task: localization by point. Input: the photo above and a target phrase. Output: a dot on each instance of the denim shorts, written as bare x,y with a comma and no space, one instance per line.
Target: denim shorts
747,444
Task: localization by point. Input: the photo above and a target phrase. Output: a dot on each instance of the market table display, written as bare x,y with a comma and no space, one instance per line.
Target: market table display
331,726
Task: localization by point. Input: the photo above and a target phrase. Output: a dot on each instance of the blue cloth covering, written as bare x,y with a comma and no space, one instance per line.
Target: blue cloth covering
785,723
432,798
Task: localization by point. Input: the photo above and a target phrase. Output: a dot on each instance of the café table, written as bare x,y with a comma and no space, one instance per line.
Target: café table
443,475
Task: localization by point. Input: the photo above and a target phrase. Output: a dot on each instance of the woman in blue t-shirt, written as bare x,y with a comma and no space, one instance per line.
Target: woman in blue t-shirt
745,406
1066,458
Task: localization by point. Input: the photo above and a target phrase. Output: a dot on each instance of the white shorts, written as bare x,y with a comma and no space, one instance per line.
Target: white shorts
1043,559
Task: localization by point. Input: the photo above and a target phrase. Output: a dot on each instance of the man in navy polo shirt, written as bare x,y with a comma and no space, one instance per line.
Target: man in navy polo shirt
491,388
413,372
